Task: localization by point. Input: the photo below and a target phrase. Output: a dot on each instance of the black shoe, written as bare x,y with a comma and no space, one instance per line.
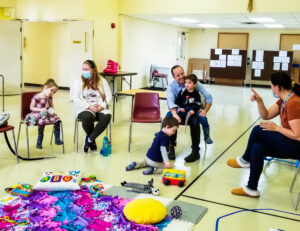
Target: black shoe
171,153
57,139
93,146
39,146
86,145
193,156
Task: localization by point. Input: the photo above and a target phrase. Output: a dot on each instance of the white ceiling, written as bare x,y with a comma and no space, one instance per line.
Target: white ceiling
288,20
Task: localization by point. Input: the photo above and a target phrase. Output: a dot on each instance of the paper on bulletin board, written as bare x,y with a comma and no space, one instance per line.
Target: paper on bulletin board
218,51
222,57
283,53
285,59
259,57
258,65
235,52
212,63
276,67
257,73
285,67
277,59
234,63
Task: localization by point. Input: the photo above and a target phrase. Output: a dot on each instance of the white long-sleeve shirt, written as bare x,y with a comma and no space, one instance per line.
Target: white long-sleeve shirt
84,98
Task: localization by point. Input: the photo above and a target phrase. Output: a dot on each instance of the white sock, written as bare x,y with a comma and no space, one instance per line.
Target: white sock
89,140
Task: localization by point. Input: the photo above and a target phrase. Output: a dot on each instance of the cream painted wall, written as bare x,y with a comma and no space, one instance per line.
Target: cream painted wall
202,40
50,9
103,13
205,7
8,3
144,43
46,52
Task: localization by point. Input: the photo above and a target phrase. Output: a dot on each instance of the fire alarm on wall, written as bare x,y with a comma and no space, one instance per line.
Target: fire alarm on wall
113,25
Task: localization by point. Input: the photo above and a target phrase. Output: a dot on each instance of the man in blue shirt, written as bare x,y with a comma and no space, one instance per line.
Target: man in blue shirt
172,91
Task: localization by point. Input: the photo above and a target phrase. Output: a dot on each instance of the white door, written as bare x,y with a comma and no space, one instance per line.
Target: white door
10,55
81,40
180,48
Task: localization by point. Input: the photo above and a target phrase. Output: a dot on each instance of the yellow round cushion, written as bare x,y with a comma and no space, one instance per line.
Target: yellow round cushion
145,211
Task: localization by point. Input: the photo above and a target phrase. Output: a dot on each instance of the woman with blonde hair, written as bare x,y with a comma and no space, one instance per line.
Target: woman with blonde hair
91,94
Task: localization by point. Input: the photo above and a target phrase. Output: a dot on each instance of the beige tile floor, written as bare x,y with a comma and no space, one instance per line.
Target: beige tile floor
230,117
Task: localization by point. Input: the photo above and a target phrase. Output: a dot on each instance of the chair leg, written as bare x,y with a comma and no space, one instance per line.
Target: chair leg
27,141
110,133
129,140
77,131
19,134
62,137
294,179
51,136
16,149
297,201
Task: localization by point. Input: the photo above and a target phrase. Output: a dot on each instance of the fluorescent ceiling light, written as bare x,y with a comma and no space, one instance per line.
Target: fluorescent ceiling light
262,19
208,25
188,20
274,25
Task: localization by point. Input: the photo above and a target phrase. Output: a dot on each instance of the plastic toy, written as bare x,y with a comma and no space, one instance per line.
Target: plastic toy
173,177
141,188
13,222
96,190
20,190
90,179
176,212
106,148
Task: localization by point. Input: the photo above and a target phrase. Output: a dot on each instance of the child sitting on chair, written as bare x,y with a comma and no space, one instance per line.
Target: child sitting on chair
42,112
157,157
189,102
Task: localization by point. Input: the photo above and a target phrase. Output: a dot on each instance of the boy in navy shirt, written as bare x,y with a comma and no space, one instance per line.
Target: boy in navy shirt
157,157
190,103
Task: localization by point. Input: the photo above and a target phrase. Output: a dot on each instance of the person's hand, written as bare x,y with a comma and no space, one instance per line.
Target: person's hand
182,110
94,108
100,108
191,112
268,126
255,97
202,113
168,165
44,110
178,118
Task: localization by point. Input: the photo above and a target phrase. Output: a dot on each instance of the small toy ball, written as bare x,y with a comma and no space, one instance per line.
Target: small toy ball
176,212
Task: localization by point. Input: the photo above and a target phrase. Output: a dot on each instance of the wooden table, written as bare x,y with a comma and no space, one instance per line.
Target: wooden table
121,74
162,95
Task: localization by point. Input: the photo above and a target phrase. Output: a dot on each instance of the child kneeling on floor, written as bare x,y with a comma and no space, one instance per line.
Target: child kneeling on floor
157,157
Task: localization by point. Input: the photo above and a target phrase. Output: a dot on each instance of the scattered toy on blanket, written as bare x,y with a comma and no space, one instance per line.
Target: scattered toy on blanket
91,178
96,190
176,212
23,190
141,188
13,222
8,199
173,177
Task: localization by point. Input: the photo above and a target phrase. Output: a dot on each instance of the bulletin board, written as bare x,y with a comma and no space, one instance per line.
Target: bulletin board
228,63
271,62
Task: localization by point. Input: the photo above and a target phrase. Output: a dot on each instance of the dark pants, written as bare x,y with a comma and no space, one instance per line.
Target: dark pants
56,125
266,143
195,130
88,120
